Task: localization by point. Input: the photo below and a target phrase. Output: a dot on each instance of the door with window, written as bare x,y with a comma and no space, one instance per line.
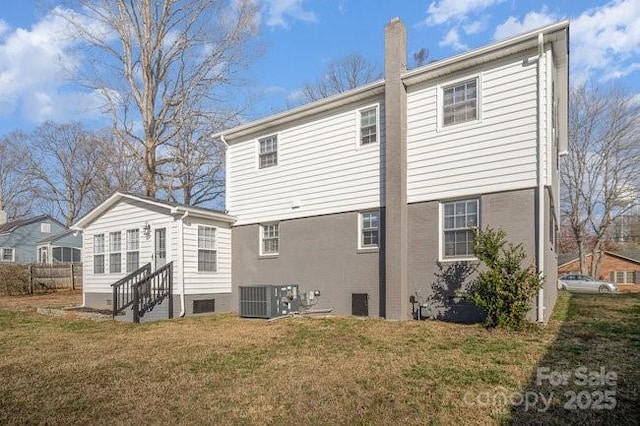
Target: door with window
160,247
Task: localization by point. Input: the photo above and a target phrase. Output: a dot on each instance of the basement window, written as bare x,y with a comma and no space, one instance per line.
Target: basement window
369,229
269,239
204,306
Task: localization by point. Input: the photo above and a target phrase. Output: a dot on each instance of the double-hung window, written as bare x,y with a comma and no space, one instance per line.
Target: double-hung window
98,254
460,102
270,239
460,218
7,254
368,126
115,252
369,229
268,155
207,252
133,250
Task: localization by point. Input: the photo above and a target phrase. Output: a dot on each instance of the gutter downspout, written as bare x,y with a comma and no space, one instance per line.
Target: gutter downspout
183,309
540,239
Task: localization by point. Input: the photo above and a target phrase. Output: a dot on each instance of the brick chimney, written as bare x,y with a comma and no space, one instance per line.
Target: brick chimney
396,210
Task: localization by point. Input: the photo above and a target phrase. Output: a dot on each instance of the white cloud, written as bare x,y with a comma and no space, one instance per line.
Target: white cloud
445,10
279,10
452,39
295,96
532,20
475,27
32,72
606,39
4,27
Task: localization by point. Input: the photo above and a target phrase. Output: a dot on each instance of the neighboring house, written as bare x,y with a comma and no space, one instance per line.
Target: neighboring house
372,195
127,231
622,267
19,239
65,247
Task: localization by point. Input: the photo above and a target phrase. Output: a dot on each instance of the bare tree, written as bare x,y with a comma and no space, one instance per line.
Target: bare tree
63,166
116,169
601,173
157,61
196,174
341,75
16,189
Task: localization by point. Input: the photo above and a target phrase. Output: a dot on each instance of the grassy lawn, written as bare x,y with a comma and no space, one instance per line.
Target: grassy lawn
224,370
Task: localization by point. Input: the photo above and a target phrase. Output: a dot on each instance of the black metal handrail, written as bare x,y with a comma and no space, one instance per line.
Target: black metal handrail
152,290
122,289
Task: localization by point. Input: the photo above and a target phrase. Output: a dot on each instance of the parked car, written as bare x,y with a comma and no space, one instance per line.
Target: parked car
578,282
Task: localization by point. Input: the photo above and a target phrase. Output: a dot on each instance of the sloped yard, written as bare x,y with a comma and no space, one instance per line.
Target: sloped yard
224,370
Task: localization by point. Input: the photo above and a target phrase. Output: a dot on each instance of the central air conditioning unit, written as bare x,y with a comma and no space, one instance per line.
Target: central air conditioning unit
268,301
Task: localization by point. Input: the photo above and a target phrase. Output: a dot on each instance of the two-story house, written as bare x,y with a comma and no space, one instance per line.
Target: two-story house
372,196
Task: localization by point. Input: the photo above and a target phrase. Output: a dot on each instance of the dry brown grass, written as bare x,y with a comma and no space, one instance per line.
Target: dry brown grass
224,370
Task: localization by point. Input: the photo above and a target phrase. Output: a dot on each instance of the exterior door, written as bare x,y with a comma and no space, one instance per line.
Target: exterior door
360,304
160,247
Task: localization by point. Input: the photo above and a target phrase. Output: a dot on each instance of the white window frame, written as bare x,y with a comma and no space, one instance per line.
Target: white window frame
441,230
204,248
131,249
277,238
359,144
362,229
100,253
440,102
115,251
276,137
13,254
45,228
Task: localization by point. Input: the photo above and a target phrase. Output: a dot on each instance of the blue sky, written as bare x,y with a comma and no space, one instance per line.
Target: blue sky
301,36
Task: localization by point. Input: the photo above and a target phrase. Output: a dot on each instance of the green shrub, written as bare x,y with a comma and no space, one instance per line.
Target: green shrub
504,289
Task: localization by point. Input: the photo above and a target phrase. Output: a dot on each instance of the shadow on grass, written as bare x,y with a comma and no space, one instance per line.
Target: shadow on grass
591,373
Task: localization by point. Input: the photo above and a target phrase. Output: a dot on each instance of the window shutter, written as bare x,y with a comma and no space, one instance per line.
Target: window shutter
612,276
637,277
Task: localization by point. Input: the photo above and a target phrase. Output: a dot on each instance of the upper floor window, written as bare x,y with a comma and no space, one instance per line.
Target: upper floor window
45,228
460,102
369,229
268,151
460,218
207,249
7,255
270,239
368,125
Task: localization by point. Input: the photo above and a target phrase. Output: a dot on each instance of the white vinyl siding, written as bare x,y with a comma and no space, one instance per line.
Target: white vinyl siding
460,218
207,249
495,153
98,254
268,152
7,254
322,169
198,282
122,216
269,239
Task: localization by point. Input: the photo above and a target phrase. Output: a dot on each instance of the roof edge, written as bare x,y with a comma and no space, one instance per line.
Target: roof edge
92,215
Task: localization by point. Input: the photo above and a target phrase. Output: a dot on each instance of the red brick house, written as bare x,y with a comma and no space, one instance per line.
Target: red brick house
621,267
